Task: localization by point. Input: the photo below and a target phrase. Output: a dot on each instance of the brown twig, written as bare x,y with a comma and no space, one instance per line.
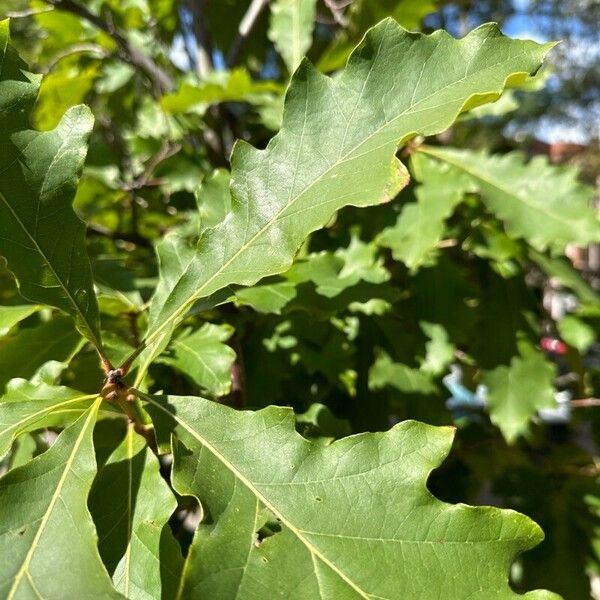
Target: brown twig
585,402
337,11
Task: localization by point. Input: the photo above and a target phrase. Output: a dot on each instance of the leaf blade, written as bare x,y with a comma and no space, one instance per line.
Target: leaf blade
320,495
41,237
67,470
333,132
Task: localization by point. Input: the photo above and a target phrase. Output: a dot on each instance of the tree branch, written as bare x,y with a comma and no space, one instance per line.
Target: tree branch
204,49
585,402
245,27
160,79
337,11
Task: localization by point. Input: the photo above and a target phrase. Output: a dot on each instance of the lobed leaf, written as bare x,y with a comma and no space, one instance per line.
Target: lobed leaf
131,505
41,237
414,238
337,147
517,392
291,28
537,201
47,537
330,518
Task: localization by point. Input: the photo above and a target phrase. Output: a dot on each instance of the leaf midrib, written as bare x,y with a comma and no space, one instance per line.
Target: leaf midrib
83,317
184,306
54,408
297,532
24,569
486,178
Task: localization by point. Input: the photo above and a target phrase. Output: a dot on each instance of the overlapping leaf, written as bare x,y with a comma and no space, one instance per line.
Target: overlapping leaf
420,226
540,202
136,543
40,235
336,147
22,354
205,358
330,518
27,407
47,538
517,392
291,28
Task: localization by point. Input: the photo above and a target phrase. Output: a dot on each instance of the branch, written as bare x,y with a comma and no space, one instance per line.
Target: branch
337,11
585,402
204,49
76,49
245,27
160,79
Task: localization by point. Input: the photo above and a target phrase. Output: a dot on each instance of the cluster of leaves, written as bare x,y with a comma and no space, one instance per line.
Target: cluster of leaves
204,280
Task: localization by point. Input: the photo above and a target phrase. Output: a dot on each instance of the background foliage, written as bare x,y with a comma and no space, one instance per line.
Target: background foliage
223,278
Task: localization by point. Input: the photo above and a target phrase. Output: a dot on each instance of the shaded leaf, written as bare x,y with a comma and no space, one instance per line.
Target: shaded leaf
363,14
131,505
26,407
414,238
40,235
203,356
11,315
22,354
543,203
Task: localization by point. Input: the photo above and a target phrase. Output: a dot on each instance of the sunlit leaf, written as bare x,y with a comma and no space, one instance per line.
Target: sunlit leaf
331,518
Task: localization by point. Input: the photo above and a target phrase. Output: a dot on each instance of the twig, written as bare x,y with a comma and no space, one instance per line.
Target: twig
585,402
166,151
30,12
204,62
245,27
76,49
161,80
337,11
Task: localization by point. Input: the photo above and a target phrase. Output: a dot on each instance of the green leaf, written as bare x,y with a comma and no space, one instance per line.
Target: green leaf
291,28
563,271
47,538
405,379
26,407
576,333
517,392
440,352
41,237
363,14
11,315
203,356
347,278
540,202
332,518
131,505
214,199
219,86
420,227
22,354
337,147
